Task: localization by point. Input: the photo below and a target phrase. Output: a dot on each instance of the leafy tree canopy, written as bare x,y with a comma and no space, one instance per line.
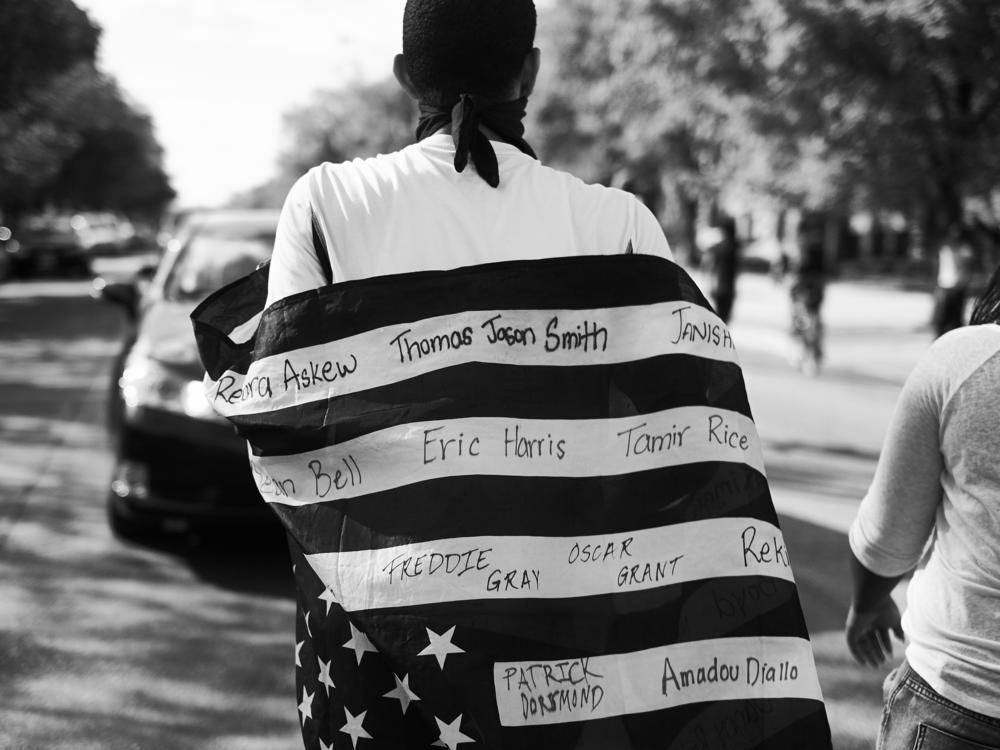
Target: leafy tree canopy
356,121
68,136
41,38
359,120
823,103
905,95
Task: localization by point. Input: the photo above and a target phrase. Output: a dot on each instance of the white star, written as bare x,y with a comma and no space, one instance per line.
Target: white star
354,727
298,647
306,706
329,597
359,642
440,645
324,674
402,692
324,746
451,734
308,629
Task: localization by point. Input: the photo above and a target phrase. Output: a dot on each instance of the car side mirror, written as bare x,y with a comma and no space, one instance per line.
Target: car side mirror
125,294
145,274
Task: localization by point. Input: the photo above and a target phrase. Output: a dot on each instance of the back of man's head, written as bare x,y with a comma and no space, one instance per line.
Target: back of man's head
475,47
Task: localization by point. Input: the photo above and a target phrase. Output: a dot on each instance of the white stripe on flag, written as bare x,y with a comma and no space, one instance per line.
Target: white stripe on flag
405,454
533,693
387,355
533,567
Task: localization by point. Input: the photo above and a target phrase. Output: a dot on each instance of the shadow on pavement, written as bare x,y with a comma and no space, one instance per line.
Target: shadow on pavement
847,451
186,643
252,560
125,653
853,694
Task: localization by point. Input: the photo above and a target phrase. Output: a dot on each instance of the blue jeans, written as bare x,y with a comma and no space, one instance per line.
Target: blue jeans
915,717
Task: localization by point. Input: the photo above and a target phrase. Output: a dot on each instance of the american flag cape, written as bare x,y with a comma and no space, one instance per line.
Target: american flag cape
526,506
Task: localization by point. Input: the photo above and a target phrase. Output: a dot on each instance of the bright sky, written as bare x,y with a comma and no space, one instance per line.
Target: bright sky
217,75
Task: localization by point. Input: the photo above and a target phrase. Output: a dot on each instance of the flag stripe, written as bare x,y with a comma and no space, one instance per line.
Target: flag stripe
602,281
409,453
511,506
518,567
556,338
768,724
510,629
589,392
539,692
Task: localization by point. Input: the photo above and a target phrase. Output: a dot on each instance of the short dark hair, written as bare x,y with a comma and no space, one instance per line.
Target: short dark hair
475,47
987,306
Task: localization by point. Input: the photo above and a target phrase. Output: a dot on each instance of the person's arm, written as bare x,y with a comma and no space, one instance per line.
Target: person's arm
872,615
649,236
294,265
897,515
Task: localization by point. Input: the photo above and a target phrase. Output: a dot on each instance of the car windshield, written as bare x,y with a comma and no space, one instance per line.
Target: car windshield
213,258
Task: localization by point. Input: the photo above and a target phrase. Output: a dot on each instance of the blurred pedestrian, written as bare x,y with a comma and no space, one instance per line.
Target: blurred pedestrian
934,508
803,266
955,261
721,260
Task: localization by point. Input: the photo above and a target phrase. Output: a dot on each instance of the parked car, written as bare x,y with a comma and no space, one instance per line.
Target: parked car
178,465
103,232
8,246
48,243
51,242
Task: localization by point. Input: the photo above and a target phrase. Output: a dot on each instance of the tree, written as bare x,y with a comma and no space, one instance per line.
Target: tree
68,136
117,162
356,121
359,120
653,92
904,94
41,39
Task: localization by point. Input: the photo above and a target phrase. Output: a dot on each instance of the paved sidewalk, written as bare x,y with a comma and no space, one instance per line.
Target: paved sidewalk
821,438
875,334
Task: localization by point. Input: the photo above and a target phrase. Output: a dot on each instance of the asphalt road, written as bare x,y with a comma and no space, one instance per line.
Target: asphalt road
102,644
189,644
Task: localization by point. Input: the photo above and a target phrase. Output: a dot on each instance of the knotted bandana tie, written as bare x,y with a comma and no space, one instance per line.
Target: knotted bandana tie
465,117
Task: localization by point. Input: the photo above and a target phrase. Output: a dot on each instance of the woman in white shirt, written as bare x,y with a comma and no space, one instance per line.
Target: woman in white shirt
934,508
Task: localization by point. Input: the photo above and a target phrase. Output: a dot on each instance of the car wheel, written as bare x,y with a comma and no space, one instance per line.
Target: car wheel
125,527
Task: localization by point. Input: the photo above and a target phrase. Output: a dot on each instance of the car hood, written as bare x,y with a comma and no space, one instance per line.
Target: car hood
165,335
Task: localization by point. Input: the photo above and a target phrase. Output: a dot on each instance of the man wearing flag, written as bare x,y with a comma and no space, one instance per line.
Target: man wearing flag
510,442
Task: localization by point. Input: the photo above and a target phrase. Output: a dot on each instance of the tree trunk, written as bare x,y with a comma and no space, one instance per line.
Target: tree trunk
690,254
831,242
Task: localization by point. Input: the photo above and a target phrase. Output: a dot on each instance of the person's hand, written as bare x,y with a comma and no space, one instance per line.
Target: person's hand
868,632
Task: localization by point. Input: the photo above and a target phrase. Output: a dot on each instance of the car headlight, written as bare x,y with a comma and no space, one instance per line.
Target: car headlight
146,382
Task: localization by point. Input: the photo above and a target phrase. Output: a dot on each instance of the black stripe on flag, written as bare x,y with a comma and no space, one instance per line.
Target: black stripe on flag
585,392
541,506
353,307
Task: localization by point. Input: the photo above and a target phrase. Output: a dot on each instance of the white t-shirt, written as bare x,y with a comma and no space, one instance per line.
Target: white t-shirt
934,503
411,211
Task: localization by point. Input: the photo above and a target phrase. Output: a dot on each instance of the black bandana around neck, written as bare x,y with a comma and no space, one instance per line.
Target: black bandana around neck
465,117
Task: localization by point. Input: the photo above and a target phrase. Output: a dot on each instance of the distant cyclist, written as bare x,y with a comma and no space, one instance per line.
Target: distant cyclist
805,270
